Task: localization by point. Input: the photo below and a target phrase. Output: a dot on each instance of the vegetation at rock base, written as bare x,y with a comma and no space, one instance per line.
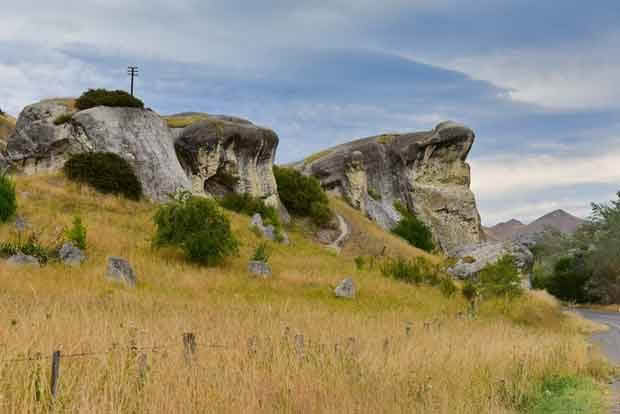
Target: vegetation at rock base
77,233
106,172
303,196
407,343
103,97
8,198
198,227
247,204
63,119
413,229
262,253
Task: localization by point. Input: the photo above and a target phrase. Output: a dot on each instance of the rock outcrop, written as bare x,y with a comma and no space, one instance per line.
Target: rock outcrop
139,136
227,154
425,171
473,258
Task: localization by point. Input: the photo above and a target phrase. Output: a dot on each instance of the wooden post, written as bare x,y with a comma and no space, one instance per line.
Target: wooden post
189,345
55,373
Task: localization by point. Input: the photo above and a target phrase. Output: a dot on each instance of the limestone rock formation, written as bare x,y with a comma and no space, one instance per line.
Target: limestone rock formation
140,136
425,171
473,258
226,154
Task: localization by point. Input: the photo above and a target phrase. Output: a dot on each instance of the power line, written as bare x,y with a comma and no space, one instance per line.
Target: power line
133,72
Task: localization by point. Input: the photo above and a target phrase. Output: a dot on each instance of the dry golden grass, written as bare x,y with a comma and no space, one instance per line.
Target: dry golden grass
7,125
184,121
69,103
356,355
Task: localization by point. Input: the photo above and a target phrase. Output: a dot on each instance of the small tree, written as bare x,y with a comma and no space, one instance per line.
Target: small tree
77,233
413,230
8,199
500,279
198,226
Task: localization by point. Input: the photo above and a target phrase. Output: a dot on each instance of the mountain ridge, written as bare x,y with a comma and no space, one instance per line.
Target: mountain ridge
559,220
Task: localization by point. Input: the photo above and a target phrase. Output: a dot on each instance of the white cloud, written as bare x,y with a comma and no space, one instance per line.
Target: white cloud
579,75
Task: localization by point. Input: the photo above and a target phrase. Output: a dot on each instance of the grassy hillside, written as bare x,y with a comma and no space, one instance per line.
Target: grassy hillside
7,125
280,345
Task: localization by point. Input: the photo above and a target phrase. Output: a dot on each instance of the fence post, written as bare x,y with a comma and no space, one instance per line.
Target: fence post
55,373
189,346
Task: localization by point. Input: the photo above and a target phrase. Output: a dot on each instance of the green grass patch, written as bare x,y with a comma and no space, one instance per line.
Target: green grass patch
567,395
317,156
184,121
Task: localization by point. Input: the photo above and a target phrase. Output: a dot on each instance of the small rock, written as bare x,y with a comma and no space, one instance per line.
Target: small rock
21,259
346,289
257,221
259,269
119,270
71,255
21,224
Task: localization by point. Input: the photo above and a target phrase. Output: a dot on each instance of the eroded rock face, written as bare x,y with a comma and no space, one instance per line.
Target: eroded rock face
227,154
139,136
425,171
473,258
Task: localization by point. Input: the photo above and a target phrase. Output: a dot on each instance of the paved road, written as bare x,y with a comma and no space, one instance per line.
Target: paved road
609,342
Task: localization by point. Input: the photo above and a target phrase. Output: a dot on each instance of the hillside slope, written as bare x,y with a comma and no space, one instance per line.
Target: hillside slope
278,345
7,125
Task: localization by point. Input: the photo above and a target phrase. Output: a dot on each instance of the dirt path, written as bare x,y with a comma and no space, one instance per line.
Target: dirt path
344,233
609,341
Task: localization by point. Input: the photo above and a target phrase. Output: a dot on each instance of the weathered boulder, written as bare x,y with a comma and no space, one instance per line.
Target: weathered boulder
346,289
119,270
259,268
21,259
473,258
425,171
269,231
225,154
71,255
140,136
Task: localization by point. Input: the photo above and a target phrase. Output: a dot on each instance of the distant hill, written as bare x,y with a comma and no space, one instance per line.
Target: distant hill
503,231
559,220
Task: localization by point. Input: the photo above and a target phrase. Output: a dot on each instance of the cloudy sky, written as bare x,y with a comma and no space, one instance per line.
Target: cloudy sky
538,81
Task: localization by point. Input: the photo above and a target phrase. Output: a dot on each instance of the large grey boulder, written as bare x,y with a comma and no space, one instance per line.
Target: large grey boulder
71,255
346,289
425,171
119,270
140,136
473,258
226,154
21,259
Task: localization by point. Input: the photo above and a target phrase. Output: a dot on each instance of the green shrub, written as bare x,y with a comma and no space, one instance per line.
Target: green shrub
471,291
106,172
569,279
447,286
320,214
413,230
303,196
103,97
415,271
63,119
359,263
249,205
198,226
261,253
374,194
30,247
77,233
8,199
500,279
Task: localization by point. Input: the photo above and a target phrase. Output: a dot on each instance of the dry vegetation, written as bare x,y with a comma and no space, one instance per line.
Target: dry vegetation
182,121
396,348
7,125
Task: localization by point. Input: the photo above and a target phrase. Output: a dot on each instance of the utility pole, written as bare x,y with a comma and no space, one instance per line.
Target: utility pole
133,72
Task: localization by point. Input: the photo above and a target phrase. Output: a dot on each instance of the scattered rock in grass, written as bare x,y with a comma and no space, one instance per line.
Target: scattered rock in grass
119,270
71,255
269,232
21,224
21,259
346,289
259,269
